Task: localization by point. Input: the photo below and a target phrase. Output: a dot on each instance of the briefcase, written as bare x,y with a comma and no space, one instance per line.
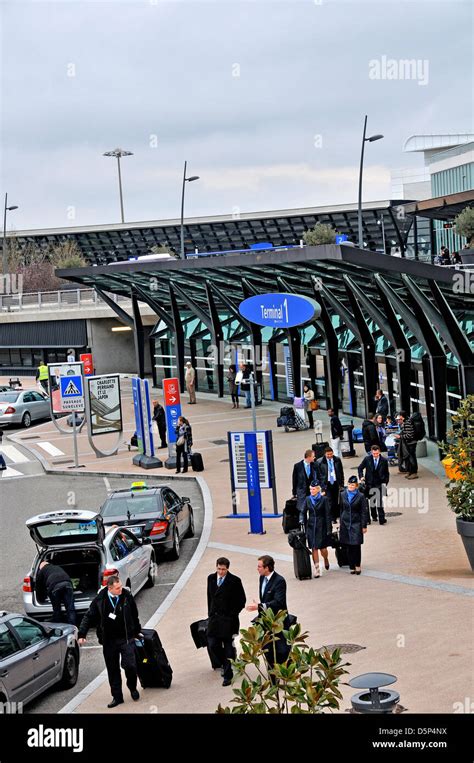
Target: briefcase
199,633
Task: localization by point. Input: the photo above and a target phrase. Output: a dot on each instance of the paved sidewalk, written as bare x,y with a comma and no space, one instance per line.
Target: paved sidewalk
411,610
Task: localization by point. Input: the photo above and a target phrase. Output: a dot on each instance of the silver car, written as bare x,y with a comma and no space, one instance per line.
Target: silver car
77,541
33,657
23,407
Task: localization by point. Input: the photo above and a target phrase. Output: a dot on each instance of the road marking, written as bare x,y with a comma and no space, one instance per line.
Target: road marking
51,449
8,472
13,454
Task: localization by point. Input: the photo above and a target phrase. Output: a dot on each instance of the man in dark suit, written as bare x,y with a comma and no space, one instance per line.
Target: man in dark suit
369,432
272,591
377,476
330,475
303,474
225,600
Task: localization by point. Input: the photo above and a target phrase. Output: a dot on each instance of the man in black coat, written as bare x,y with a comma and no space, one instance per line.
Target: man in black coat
225,600
330,475
272,591
369,432
377,476
304,472
159,416
54,582
337,432
382,406
115,614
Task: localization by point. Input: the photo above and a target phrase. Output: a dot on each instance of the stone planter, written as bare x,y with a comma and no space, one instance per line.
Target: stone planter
467,256
466,531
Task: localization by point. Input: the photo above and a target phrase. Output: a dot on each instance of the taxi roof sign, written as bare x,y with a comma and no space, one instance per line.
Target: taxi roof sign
138,485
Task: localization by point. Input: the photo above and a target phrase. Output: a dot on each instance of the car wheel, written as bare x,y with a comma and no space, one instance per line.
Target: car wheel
26,420
150,581
175,551
70,670
190,533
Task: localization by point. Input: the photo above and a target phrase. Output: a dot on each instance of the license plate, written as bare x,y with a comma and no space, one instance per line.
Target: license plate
136,530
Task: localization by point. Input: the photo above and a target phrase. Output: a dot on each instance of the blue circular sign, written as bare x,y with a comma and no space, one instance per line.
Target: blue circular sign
280,310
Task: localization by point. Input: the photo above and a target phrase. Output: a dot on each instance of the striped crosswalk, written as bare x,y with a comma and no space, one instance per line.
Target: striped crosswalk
19,464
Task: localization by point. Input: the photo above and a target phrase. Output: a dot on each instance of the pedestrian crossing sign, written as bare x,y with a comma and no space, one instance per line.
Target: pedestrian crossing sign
72,393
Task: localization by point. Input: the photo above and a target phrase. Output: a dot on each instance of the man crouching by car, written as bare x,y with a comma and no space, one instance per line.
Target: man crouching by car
115,614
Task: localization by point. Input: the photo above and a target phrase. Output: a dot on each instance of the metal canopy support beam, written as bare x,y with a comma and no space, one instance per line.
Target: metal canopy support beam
178,336
138,335
294,344
272,342
402,346
332,350
123,317
367,346
457,339
218,339
256,333
154,304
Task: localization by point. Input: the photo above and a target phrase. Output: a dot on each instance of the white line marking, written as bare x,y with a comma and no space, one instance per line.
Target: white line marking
8,472
13,454
51,449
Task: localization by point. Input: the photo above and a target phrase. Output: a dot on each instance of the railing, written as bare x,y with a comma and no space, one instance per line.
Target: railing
51,300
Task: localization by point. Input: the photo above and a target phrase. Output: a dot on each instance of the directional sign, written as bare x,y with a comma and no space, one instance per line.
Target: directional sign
72,393
55,371
172,402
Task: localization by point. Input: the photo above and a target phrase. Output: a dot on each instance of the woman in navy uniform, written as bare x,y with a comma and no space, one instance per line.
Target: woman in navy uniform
316,517
353,523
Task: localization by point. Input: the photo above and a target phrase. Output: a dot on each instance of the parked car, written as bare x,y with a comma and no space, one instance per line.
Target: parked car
34,657
157,513
23,407
78,542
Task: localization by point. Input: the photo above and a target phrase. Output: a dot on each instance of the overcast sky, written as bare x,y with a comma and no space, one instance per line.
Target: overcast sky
264,99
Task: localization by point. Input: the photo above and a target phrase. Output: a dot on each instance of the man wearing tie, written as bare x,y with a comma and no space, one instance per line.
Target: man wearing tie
330,475
303,475
225,600
377,476
272,590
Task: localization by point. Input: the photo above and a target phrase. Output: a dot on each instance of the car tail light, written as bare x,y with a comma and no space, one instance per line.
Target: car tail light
159,528
106,575
10,409
27,584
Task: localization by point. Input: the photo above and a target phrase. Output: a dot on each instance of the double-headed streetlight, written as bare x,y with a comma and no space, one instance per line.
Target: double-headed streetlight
4,253
359,209
185,180
118,153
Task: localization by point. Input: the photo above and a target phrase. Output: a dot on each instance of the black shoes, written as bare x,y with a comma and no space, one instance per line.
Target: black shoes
226,682
116,702
135,695
382,521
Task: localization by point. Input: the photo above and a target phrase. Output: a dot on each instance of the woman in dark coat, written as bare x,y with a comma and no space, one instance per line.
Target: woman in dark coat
184,441
316,517
159,416
231,374
353,523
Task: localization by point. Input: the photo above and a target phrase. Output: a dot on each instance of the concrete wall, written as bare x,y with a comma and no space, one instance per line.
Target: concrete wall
114,352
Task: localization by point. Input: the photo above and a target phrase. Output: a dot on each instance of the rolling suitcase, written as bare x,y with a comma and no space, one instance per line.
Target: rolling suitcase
301,554
199,633
196,462
319,446
341,555
290,519
153,667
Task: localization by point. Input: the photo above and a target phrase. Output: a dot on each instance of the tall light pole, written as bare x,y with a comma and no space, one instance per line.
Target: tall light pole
359,209
185,180
4,247
118,153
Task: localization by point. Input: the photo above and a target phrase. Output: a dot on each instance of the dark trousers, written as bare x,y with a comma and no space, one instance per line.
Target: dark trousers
63,595
354,556
375,494
44,384
220,651
310,418
235,397
162,433
181,451
113,651
332,494
411,462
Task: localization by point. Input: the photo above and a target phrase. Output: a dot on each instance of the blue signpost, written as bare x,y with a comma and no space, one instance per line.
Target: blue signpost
172,405
143,426
253,483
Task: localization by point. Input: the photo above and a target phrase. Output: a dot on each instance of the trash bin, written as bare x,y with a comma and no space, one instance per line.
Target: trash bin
371,700
347,443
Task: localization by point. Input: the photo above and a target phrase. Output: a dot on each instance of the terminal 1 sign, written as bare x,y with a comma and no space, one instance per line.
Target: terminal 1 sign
280,310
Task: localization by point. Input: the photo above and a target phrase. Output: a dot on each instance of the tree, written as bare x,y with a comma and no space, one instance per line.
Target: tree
320,234
66,255
464,224
460,448
306,682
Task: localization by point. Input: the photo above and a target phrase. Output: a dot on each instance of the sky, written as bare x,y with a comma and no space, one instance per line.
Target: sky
265,100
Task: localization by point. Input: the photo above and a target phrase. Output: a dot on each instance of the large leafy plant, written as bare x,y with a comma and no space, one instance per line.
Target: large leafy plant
306,682
320,234
460,447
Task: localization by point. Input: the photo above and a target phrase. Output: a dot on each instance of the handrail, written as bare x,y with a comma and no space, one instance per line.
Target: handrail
54,299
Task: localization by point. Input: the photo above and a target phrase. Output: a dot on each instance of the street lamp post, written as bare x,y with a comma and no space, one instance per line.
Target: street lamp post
118,153
359,208
185,180
4,247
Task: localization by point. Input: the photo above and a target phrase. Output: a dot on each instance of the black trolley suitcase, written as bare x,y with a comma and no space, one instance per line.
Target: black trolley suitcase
301,554
319,446
196,462
153,667
290,519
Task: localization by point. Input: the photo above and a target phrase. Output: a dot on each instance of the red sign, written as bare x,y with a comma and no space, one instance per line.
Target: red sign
171,391
88,364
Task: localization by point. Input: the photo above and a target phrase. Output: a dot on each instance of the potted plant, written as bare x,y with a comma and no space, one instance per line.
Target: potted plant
320,234
459,464
464,226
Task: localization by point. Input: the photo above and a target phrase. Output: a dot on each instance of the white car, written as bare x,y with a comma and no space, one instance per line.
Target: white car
23,407
77,541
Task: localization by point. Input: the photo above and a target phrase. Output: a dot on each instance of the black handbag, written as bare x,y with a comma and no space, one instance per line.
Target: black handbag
199,633
297,539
